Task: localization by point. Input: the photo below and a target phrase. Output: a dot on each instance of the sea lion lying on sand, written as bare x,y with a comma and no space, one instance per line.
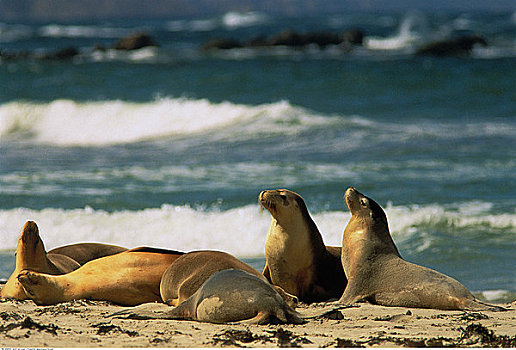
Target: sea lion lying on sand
128,278
226,296
186,275
31,255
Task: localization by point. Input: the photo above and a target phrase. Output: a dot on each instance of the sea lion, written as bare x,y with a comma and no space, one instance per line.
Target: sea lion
128,278
377,273
226,296
84,252
296,258
186,275
31,255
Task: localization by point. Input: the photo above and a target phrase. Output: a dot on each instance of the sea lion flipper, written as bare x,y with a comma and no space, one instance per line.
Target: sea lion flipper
290,299
351,294
477,305
260,318
143,312
266,272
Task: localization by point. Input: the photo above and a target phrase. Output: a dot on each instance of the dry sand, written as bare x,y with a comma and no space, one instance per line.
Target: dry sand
85,323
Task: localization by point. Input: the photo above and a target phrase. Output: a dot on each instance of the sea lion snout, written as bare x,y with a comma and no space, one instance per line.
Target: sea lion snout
266,199
30,232
351,191
351,197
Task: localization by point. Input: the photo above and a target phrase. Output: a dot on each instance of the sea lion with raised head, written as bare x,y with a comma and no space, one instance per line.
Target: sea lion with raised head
377,273
186,275
128,278
296,258
31,255
226,296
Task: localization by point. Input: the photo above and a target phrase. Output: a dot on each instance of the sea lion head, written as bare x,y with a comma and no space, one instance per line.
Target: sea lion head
284,205
368,221
30,253
364,207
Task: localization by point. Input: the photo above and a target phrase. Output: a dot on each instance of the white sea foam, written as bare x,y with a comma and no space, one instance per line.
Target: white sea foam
492,295
82,31
240,231
67,122
243,19
406,36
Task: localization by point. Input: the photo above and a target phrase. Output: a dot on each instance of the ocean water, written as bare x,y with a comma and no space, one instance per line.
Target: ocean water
170,146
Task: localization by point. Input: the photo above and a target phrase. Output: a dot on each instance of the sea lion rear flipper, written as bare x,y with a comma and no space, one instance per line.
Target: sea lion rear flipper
290,299
477,305
143,312
61,264
286,316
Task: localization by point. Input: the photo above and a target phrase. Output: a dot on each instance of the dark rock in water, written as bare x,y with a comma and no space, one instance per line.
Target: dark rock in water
322,39
62,54
452,47
135,41
287,38
221,44
291,39
14,55
258,41
353,37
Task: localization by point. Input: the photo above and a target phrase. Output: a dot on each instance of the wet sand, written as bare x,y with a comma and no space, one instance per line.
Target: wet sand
84,323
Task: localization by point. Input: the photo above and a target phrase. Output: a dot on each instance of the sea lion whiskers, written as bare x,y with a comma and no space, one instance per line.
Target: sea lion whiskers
266,202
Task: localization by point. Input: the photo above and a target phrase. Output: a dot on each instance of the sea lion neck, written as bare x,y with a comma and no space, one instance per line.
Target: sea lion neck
30,252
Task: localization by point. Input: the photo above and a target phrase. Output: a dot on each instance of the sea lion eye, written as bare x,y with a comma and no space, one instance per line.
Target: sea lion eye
363,202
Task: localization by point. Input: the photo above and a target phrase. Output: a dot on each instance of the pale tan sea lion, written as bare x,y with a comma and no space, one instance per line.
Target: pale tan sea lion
186,275
377,273
226,296
31,255
128,278
297,259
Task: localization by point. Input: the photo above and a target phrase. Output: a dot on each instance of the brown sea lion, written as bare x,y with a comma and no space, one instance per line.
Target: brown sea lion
31,255
226,296
186,275
377,273
128,278
297,259
84,252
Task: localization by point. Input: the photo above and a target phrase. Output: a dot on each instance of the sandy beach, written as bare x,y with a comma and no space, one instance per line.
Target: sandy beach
84,323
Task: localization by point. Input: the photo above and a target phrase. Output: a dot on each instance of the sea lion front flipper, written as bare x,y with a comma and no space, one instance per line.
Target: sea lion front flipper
351,294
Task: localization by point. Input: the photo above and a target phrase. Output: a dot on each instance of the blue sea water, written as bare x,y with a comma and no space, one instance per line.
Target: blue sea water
170,146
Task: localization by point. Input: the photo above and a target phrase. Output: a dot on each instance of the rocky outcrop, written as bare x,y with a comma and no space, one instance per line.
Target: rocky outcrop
59,54
134,42
461,46
222,44
293,39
